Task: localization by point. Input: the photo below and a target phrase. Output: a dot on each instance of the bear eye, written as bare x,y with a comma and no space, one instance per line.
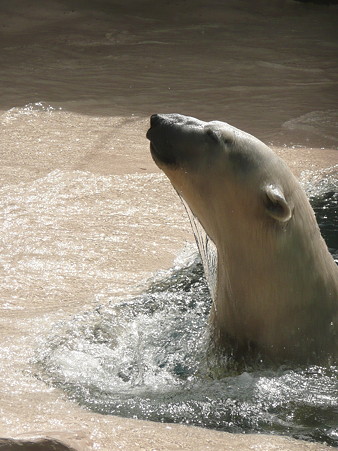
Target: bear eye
227,140
218,137
213,135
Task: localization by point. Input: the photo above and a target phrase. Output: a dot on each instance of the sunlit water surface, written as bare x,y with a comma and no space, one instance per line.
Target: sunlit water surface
148,357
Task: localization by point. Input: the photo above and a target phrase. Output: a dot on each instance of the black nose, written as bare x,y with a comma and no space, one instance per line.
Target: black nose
155,119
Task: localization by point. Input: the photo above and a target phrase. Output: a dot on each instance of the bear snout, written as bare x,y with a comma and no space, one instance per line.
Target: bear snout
173,137
161,140
155,119
174,120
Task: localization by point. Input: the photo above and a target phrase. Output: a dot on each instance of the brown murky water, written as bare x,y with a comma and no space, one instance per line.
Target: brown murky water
85,214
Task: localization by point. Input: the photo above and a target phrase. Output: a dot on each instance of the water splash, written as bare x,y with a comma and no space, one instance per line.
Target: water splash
148,357
29,110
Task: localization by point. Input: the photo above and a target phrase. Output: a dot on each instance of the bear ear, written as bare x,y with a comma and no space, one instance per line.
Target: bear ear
276,205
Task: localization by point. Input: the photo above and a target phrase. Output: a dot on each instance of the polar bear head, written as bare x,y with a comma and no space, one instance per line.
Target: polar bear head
220,170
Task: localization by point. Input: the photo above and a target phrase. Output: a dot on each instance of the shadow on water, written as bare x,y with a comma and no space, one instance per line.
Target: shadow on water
109,57
148,358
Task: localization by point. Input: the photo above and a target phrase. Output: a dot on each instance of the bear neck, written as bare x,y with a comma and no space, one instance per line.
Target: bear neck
280,280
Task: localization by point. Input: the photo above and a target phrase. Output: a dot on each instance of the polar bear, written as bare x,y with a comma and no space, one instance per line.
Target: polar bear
276,289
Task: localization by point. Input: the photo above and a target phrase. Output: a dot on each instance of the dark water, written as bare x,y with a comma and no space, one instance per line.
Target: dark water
149,358
326,210
267,67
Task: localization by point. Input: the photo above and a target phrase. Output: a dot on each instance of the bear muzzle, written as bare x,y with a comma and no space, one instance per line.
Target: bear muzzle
161,142
168,135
